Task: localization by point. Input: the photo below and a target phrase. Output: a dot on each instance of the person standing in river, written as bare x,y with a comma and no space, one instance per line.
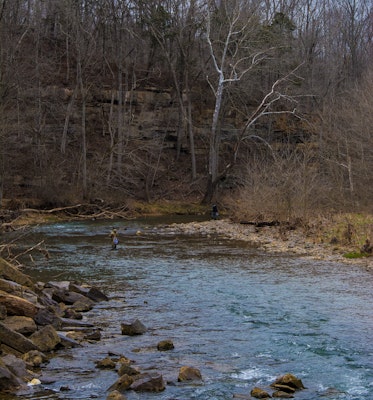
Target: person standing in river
114,239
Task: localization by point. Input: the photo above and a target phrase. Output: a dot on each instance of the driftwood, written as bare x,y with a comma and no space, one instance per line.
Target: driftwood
84,211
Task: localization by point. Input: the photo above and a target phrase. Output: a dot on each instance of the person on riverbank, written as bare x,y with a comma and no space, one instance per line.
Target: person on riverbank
114,239
214,212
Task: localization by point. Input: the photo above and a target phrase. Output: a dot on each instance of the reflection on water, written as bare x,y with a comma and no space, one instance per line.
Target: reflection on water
241,316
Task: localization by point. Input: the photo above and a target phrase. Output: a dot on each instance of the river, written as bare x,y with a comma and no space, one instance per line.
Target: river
240,315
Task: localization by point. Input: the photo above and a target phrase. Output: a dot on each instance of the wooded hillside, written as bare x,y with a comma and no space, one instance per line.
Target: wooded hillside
267,104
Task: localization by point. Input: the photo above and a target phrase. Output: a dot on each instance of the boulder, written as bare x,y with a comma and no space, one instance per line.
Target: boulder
34,358
284,388
288,381
93,335
46,338
148,383
17,366
66,322
115,395
126,369
20,324
11,287
68,342
45,317
122,384
8,381
189,374
92,292
282,395
165,345
67,297
106,363
259,393
96,295
60,285
70,313
16,305
15,340
83,304
132,328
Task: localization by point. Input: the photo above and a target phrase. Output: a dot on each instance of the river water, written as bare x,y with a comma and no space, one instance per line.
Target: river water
240,315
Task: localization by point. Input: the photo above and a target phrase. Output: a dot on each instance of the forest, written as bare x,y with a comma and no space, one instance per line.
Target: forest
261,105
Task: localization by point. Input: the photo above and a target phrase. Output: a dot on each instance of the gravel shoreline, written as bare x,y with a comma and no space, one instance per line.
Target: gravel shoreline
271,239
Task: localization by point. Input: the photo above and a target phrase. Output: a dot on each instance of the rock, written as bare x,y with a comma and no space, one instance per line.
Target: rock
189,374
67,297
126,369
46,317
83,304
96,295
3,313
284,388
115,395
34,358
94,335
34,382
16,305
46,338
20,324
148,383
106,363
282,395
70,313
165,345
15,340
8,381
60,285
66,322
11,273
92,292
288,380
259,393
11,287
122,384
132,328
77,336
68,342
17,366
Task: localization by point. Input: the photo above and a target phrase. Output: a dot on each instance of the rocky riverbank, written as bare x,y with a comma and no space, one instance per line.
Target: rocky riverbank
36,321
275,239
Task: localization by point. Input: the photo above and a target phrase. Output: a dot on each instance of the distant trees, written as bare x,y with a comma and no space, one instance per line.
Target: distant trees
257,84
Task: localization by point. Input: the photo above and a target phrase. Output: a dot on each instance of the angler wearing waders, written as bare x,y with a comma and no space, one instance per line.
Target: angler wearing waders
114,239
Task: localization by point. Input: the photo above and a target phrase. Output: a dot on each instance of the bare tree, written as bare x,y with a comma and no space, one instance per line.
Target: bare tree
234,57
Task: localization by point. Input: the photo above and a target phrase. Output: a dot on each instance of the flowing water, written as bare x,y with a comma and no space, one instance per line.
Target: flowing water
240,315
